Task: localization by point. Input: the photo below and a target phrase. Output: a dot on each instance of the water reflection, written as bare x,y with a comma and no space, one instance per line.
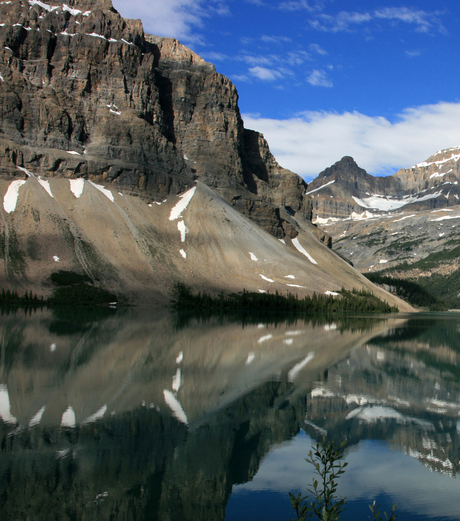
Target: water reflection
140,417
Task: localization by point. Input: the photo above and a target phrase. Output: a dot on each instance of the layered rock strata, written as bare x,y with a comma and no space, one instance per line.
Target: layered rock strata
85,93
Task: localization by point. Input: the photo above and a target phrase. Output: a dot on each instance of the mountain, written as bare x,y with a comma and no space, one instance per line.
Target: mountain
404,224
106,135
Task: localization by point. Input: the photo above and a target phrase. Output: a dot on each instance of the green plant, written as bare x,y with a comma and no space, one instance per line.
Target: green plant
376,512
328,465
324,504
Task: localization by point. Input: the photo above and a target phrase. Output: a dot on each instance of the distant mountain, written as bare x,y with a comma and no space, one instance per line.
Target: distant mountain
405,223
345,189
124,158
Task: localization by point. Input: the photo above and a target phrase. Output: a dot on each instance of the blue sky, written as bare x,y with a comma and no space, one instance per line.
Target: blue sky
321,79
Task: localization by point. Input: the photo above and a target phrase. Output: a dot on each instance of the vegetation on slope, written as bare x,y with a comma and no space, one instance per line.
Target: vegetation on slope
72,289
348,302
77,289
413,292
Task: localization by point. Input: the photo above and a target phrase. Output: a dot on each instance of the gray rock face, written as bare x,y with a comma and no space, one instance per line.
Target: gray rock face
406,223
345,188
85,93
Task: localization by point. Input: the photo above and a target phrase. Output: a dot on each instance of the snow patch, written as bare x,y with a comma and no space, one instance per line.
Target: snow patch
182,229
372,414
302,250
177,380
288,341
326,220
264,338
253,257
266,278
47,7
320,188
446,218
175,406
46,186
95,35
56,258
76,187
185,199
103,190
296,286
96,416
37,418
250,358
289,277
330,327
68,418
332,293
5,407
385,203
404,218
11,197
298,367
182,252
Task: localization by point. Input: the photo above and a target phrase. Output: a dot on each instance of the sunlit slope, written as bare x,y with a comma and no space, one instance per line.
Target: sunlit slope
139,248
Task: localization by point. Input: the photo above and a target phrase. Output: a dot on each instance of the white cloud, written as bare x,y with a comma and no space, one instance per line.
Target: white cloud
423,20
301,5
318,78
317,48
262,73
313,141
275,39
174,18
345,20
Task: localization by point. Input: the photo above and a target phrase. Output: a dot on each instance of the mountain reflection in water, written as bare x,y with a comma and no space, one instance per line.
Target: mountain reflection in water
153,417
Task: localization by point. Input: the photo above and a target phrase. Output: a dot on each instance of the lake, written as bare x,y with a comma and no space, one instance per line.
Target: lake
135,415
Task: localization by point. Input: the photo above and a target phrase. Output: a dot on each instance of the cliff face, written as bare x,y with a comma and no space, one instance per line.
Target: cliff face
85,93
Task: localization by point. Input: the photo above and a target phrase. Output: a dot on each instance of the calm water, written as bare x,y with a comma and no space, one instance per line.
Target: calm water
139,417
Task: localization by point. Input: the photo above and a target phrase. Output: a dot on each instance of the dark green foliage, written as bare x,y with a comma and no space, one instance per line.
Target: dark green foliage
445,287
411,291
349,301
77,289
81,294
12,298
433,260
68,278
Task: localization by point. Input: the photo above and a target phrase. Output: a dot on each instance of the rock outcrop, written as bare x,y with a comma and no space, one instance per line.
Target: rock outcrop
85,93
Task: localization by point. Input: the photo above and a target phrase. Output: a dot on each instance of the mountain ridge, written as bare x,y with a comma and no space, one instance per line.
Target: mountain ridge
104,131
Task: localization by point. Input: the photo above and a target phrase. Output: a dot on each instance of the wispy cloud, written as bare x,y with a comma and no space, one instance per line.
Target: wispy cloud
314,47
423,21
275,39
302,5
318,78
262,73
312,141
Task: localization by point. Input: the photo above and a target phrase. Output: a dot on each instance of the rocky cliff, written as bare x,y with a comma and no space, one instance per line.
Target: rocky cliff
86,94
